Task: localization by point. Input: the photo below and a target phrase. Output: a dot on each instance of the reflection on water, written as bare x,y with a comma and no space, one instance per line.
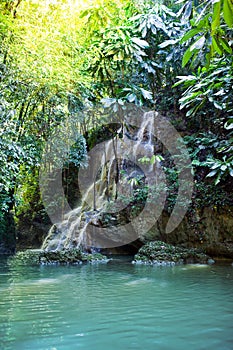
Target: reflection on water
116,306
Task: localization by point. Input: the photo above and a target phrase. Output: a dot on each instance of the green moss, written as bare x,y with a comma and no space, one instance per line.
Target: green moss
160,251
71,256
27,257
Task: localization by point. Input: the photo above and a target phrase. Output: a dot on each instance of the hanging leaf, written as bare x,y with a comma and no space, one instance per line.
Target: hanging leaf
212,173
168,11
107,102
84,13
223,167
154,30
229,124
198,44
146,94
217,105
144,32
191,111
188,10
167,43
158,23
216,46
225,45
216,17
196,162
187,56
142,43
228,12
184,78
218,179
152,160
190,34
131,98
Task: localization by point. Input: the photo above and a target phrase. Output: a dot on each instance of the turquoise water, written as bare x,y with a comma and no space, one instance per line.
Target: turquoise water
116,306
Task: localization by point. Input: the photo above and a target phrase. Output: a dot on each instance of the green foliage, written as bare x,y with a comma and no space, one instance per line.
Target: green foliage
78,153
210,195
112,53
207,96
220,168
161,28
211,153
152,160
210,88
208,35
132,57
172,187
209,41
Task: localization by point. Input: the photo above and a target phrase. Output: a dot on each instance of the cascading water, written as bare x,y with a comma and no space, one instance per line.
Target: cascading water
119,172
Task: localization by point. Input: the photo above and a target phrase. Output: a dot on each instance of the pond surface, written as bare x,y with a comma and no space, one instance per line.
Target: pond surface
116,306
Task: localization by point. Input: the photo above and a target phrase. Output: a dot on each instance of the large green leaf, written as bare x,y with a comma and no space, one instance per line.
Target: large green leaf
216,17
223,42
187,56
216,47
228,12
190,34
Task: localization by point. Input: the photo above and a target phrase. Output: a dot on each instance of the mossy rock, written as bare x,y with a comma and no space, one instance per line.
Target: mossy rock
69,256
27,257
159,251
94,257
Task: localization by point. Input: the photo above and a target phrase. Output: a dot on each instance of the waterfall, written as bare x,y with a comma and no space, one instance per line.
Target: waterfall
119,173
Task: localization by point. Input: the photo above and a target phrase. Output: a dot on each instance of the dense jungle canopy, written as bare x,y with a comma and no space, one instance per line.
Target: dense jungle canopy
60,57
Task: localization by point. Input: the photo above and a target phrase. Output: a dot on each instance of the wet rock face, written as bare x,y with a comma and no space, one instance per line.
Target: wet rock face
218,231
158,252
102,217
208,229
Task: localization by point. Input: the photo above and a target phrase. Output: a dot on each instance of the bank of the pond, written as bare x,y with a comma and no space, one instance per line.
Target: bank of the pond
152,253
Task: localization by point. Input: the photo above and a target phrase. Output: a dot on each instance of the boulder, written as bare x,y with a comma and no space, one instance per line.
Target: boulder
158,252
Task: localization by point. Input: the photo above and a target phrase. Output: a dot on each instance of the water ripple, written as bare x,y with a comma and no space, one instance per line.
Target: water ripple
117,306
